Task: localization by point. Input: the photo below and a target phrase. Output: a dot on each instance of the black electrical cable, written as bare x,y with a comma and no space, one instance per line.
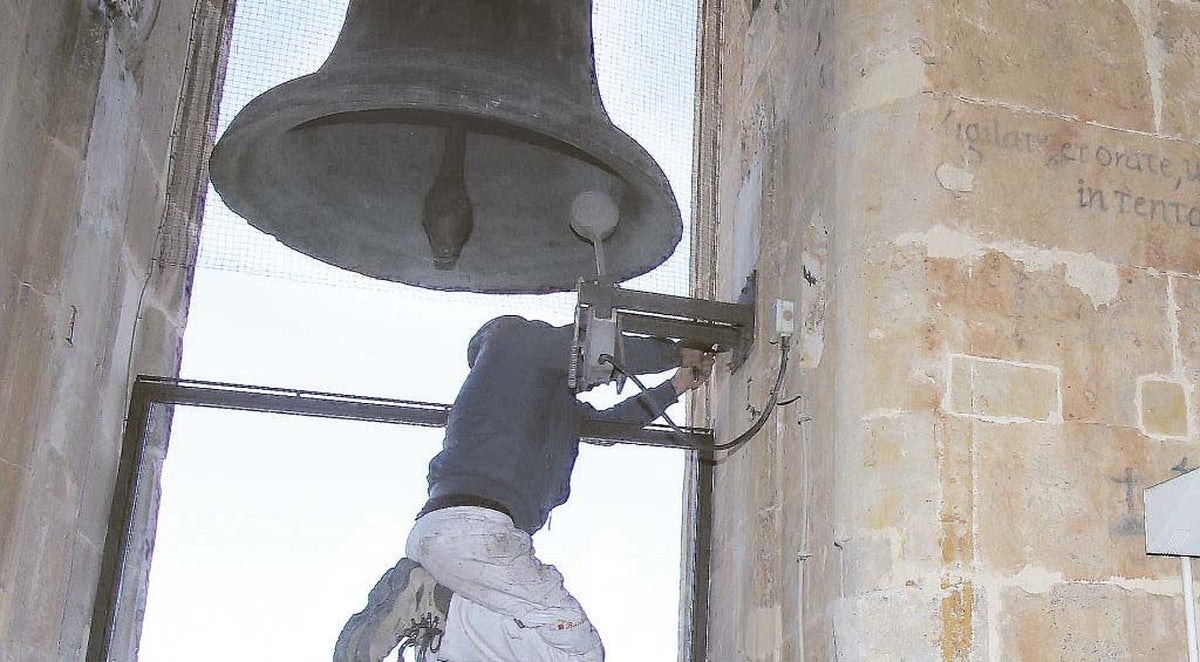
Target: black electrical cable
784,346
772,400
783,403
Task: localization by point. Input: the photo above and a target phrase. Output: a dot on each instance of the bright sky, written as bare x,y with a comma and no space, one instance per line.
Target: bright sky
272,529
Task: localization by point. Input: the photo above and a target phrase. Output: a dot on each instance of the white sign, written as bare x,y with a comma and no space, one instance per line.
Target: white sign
1173,516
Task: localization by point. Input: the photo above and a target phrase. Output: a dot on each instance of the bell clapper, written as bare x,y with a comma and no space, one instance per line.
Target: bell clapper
594,217
447,216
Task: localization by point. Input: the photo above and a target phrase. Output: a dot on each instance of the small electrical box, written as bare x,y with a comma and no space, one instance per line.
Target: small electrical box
783,319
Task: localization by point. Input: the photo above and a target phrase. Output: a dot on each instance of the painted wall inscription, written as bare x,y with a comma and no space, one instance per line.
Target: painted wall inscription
1111,178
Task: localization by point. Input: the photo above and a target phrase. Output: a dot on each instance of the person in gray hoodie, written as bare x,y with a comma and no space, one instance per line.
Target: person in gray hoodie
511,441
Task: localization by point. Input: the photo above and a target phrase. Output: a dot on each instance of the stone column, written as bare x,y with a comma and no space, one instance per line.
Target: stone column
988,214
90,161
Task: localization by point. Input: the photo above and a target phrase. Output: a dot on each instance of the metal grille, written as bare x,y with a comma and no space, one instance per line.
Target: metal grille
646,64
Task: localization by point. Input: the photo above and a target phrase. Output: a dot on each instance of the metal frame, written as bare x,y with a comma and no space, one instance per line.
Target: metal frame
697,323
150,391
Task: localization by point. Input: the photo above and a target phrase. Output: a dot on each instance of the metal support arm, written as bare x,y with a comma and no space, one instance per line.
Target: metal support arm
605,311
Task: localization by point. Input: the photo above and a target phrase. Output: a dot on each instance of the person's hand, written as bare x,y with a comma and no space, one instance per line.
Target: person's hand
695,368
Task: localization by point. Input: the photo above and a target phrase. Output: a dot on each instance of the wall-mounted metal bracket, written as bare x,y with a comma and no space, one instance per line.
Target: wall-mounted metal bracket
698,323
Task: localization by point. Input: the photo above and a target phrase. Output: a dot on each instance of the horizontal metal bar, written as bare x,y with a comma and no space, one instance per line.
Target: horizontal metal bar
607,433
699,323
299,403
733,314
272,400
692,334
700,309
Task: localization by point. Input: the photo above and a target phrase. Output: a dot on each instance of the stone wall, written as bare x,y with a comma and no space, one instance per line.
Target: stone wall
988,214
89,102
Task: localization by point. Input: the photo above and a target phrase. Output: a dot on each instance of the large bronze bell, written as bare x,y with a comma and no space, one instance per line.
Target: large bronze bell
442,144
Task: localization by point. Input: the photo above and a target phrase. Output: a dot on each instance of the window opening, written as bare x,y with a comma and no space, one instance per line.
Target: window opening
645,58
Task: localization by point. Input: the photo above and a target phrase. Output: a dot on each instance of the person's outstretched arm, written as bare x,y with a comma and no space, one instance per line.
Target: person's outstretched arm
648,355
694,369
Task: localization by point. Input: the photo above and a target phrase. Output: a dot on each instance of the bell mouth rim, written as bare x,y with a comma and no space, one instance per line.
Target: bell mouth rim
333,91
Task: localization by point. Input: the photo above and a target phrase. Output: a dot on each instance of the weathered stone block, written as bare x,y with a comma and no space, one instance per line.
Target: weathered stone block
24,381
892,490
737,475
12,483
1003,307
1086,60
1164,408
942,292
1067,499
1177,29
54,217
1003,390
912,624
879,56
81,593
12,27
766,559
730,585
870,561
902,346
45,558
1086,622
1186,297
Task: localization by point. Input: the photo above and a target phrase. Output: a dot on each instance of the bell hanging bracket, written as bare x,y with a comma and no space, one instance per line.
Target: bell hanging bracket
605,311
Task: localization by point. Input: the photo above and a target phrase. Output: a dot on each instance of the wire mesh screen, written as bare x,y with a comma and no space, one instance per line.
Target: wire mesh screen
645,59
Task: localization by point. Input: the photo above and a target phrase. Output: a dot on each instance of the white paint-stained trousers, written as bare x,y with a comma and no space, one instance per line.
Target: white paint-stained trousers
508,606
